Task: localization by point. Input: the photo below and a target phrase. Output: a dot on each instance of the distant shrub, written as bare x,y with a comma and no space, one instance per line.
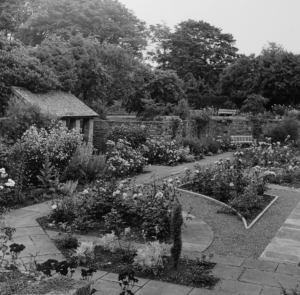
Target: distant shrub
99,108
288,127
195,145
182,109
135,135
21,116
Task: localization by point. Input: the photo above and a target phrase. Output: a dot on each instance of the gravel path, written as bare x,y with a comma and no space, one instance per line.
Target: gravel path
231,238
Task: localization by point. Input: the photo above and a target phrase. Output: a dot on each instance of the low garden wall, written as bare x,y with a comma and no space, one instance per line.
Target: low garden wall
218,126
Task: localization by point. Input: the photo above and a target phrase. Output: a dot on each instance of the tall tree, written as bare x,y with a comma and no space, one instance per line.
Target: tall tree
18,68
199,48
77,64
163,87
106,20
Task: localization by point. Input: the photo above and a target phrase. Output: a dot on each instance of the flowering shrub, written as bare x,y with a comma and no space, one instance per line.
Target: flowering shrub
123,160
148,206
6,188
58,143
165,152
85,252
229,182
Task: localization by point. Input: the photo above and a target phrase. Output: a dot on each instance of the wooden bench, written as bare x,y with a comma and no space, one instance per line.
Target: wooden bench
227,112
239,139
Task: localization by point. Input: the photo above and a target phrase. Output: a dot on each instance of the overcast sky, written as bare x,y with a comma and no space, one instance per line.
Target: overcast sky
251,22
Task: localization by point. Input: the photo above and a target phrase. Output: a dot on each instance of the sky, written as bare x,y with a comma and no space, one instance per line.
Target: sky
253,23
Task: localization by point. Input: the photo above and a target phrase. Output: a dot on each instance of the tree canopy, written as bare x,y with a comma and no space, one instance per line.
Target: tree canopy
106,20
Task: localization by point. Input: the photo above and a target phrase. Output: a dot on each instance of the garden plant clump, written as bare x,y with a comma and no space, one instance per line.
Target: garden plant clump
230,182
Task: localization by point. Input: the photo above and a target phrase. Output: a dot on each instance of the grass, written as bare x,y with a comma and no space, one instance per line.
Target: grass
231,238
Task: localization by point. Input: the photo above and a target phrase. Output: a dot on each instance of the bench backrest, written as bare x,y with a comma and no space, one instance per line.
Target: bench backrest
227,111
242,138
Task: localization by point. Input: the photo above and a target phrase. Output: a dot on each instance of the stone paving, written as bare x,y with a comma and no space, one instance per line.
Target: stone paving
239,275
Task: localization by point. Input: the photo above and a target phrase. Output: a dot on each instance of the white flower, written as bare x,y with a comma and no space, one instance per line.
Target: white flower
2,171
186,168
134,196
1,187
127,230
159,195
54,207
170,180
3,175
231,184
125,195
85,191
197,171
10,183
140,194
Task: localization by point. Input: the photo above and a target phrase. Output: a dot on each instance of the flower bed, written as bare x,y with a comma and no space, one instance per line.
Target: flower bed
240,191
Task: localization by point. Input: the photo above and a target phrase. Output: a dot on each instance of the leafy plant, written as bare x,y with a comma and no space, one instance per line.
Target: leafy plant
176,225
126,282
84,253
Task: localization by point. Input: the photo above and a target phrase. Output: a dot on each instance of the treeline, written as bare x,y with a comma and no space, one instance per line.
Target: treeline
99,51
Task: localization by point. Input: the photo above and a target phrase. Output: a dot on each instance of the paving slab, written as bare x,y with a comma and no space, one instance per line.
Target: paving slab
20,213
288,269
51,233
162,288
43,258
237,287
26,241
98,275
279,257
114,278
269,278
260,264
17,222
40,249
27,231
230,260
193,247
267,290
227,272
197,291
109,288
44,207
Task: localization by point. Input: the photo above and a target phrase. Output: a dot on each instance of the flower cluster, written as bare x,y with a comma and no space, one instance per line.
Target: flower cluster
123,160
6,187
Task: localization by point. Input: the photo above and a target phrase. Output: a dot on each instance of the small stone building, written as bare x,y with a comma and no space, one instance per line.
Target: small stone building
67,107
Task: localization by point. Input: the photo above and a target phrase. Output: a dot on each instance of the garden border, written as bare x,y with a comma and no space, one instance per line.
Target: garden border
225,205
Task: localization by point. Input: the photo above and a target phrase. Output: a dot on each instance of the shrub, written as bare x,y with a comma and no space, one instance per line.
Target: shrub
59,143
85,166
21,116
85,253
123,160
99,108
135,135
182,109
289,127
150,256
195,145
176,225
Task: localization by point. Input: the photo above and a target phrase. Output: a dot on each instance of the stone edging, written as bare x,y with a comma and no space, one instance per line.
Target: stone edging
226,206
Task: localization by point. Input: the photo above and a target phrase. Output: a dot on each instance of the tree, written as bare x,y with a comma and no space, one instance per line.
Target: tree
76,62
18,68
254,104
199,48
239,79
106,20
191,90
163,87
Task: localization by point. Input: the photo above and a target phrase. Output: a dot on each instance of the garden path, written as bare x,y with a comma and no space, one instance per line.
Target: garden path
239,275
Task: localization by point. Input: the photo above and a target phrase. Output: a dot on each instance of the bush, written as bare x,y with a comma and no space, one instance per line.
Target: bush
21,116
165,152
58,143
123,159
99,108
289,127
195,145
135,135
85,166
182,109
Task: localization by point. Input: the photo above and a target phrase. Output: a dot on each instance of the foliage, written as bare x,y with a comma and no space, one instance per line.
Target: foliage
199,121
288,128
129,201
254,104
107,21
163,87
84,166
135,135
59,143
84,253
67,240
126,281
176,224
165,152
196,47
21,116
150,256
182,109
99,107
123,160
230,183
191,90
108,242
195,145
6,189
18,68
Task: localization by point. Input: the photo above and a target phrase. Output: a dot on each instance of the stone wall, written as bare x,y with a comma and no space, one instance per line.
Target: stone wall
164,129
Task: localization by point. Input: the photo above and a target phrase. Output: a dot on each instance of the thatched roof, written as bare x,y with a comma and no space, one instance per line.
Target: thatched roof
58,103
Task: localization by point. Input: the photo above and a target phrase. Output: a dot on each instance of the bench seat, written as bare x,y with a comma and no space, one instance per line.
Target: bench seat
237,139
